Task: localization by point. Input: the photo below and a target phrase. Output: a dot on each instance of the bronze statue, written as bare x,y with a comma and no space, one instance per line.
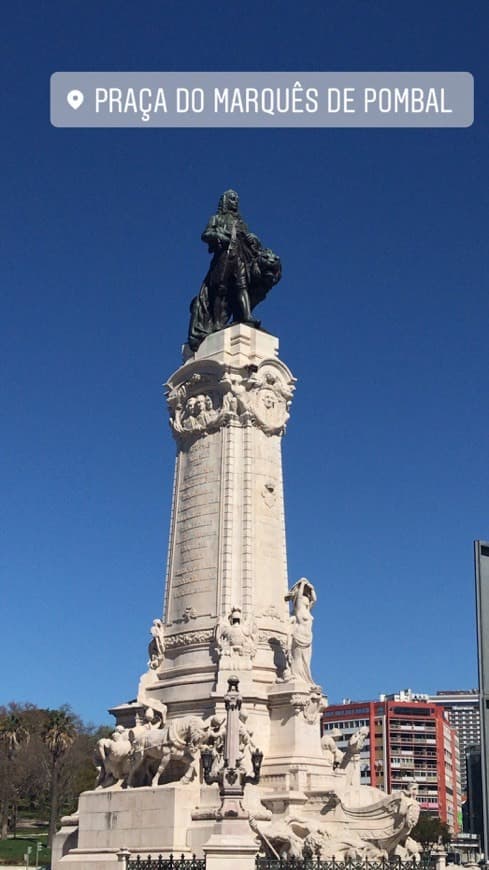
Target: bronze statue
240,275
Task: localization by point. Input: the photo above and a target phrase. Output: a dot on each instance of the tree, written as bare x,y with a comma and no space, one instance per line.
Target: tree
45,762
13,736
430,830
58,735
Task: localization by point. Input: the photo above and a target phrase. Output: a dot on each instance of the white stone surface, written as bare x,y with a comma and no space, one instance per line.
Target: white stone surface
229,404
231,845
154,820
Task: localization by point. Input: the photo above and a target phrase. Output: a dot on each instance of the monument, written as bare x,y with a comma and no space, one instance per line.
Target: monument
230,620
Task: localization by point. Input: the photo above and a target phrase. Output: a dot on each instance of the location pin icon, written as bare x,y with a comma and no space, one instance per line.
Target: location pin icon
75,99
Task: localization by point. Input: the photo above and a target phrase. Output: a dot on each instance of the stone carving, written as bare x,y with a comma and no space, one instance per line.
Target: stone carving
269,400
189,613
351,759
189,638
236,641
376,828
178,741
113,755
240,275
147,699
259,396
272,612
310,704
194,414
198,413
297,838
156,648
302,597
111,758
382,821
331,751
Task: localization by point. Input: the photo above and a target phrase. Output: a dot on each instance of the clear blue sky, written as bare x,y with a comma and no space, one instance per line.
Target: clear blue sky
381,315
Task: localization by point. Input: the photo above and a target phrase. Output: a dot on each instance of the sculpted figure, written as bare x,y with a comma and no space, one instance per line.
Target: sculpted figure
112,759
208,414
236,641
300,837
351,758
156,648
302,597
196,415
113,755
179,740
240,275
189,420
146,698
331,751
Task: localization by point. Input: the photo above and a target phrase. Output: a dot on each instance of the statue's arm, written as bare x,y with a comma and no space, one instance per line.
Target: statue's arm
215,234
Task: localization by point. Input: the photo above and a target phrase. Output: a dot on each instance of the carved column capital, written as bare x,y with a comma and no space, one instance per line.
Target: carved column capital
206,395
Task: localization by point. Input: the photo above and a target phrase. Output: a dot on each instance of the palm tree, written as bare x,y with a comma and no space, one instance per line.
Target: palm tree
13,736
59,734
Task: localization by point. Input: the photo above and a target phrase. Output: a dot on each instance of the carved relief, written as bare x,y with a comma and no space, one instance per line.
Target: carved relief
310,705
189,638
273,636
272,612
205,402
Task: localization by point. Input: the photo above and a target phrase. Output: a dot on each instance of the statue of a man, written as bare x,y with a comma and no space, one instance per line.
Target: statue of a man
240,275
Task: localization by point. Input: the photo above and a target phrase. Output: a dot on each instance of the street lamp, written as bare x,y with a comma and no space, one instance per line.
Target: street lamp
231,776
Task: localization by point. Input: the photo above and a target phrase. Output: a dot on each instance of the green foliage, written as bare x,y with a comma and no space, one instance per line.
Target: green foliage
45,762
430,830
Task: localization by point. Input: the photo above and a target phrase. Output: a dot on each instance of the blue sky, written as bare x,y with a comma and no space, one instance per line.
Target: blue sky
381,315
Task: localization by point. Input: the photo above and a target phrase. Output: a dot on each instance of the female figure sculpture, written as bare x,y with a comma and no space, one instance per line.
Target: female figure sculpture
302,597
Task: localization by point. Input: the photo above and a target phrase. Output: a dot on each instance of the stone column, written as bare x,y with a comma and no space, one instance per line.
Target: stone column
229,404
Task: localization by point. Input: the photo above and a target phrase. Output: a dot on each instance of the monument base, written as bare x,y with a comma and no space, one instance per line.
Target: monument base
231,844
143,820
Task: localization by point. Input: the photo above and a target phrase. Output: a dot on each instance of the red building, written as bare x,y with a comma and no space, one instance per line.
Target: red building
407,741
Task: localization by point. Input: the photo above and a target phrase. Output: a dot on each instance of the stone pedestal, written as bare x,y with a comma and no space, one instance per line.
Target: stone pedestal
295,762
232,844
143,820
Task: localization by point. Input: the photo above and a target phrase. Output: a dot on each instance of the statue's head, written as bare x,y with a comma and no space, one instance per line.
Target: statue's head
270,267
335,733
199,405
236,615
229,201
413,788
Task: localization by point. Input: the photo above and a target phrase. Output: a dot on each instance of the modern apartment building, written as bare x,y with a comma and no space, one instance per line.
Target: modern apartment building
463,710
408,740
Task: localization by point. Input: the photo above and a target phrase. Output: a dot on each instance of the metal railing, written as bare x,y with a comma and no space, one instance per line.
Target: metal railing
169,863
347,864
